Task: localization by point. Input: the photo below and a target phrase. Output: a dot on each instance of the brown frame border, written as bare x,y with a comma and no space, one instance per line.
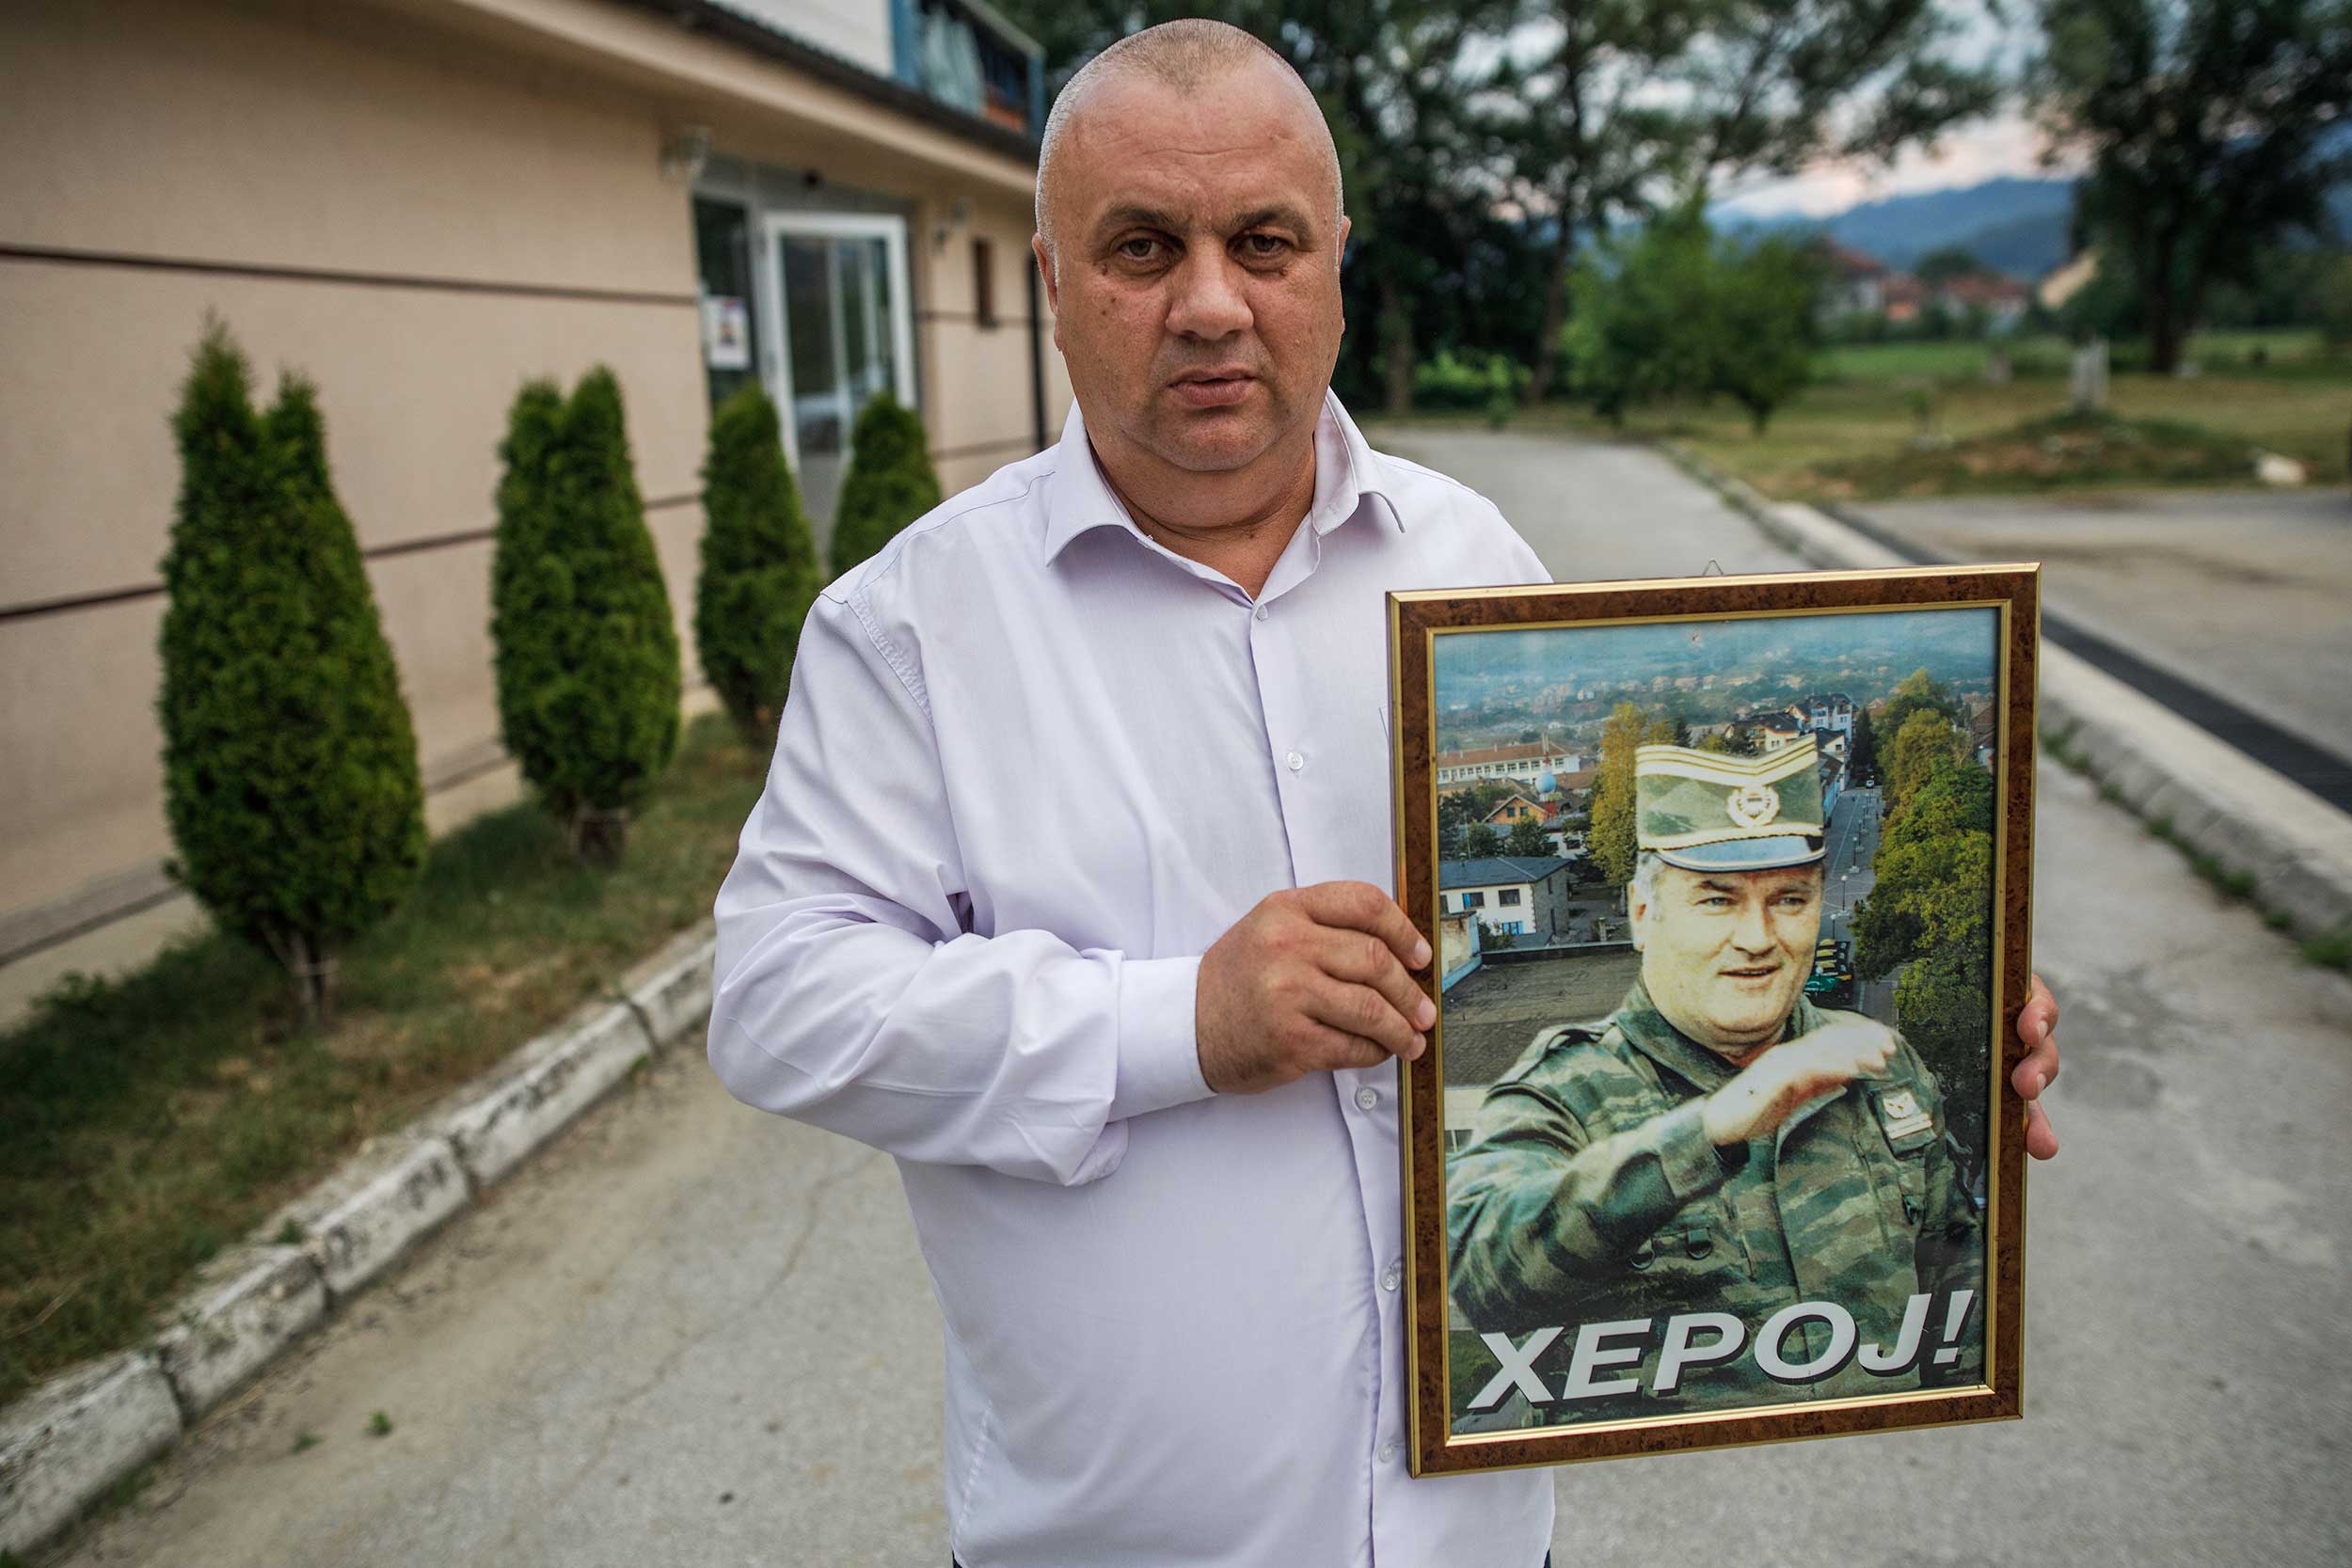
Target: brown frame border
1415,619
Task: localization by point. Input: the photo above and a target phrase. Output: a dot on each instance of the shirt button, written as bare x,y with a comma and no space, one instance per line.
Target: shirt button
1295,761
1261,612
1388,1454
1367,1098
1391,1275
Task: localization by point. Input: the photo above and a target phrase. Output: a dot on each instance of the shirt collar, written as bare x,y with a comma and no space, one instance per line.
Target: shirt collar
1349,474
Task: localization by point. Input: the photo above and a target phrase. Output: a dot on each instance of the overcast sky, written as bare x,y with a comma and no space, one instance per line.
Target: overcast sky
2007,144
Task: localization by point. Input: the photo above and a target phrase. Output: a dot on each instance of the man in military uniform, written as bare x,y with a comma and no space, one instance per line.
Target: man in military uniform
1718,1144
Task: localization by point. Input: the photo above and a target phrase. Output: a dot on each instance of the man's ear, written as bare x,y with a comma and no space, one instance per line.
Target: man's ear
1052,283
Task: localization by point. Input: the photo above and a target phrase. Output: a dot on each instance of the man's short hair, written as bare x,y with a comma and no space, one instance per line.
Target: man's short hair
1183,56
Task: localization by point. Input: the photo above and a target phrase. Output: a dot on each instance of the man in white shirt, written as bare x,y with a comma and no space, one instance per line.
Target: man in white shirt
1066,887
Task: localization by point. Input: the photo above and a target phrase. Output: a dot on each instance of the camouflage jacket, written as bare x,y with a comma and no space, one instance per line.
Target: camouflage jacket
1589,1192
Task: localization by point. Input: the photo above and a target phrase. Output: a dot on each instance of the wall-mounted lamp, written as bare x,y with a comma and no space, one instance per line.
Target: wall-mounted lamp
959,213
685,152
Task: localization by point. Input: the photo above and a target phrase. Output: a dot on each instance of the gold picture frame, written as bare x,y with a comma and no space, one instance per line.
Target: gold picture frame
1551,1207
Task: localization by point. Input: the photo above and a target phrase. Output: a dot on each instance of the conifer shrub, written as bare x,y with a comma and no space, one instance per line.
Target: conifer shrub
289,763
586,652
760,571
890,482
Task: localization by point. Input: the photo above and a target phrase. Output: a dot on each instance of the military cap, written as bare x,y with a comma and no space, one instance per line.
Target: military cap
1705,811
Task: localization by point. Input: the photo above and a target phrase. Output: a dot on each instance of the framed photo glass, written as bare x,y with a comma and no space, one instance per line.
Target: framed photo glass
1728,884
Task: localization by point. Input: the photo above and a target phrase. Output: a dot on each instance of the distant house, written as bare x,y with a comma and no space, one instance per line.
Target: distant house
1831,710
1905,296
2002,301
1515,810
1525,764
1524,897
1857,281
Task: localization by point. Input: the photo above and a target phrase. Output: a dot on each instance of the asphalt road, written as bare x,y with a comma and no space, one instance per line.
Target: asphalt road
695,1333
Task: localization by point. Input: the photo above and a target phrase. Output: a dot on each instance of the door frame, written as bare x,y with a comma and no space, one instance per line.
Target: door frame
887,226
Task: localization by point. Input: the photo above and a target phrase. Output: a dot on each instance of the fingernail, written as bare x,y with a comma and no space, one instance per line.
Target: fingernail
1420,954
2040,1081
1424,1015
1420,1044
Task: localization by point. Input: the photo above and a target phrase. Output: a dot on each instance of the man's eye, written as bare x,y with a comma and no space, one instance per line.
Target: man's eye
1143,247
1715,902
1263,248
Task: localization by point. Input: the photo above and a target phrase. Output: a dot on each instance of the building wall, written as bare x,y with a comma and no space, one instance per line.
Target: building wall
419,218
856,30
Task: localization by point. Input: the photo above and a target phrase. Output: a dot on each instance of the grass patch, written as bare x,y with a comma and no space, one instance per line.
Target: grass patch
2054,451
148,1122
2331,950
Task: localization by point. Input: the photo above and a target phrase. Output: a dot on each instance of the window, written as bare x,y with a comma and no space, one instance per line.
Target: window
1509,897
984,281
1473,900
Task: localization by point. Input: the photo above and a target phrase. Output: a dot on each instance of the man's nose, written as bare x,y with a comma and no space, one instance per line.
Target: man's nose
1753,931
1209,302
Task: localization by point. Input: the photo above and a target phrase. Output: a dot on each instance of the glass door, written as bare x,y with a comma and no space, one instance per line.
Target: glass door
847,331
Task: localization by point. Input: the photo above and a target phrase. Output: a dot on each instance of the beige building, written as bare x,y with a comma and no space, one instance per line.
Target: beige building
422,204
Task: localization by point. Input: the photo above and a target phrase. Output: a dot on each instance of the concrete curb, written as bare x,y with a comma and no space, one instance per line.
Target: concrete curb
65,1444
2292,848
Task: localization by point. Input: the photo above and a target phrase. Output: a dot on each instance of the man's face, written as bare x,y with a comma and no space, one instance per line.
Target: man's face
1725,953
1197,301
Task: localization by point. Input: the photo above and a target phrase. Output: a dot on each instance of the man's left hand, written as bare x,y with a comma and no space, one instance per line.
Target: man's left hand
2037,1027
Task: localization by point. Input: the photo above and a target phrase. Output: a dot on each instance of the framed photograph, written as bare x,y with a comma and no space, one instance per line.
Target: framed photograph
1728,879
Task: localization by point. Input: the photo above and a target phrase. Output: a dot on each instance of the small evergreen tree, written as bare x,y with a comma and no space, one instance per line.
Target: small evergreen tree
760,569
587,655
890,482
290,764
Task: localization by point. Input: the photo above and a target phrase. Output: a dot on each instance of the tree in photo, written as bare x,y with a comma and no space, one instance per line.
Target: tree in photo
1926,738
2213,129
1918,691
890,482
587,654
1611,842
1527,839
1930,915
760,571
290,762
1480,842
1863,754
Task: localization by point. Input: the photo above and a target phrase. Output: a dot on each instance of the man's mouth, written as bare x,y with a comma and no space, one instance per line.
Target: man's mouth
1757,971
1211,387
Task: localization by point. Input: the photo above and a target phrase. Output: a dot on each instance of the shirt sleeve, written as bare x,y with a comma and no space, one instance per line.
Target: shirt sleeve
848,990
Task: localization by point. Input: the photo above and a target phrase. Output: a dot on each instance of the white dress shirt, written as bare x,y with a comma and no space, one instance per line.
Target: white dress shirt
1032,765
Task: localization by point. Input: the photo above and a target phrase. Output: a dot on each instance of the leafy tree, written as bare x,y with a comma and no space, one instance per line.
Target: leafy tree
1918,691
1925,739
587,654
1633,337
2209,126
1931,910
759,572
1862,753
1610,841
1631,98
1527,839
1761,313
1716,743
1946,262
890,482
1480,841
290,762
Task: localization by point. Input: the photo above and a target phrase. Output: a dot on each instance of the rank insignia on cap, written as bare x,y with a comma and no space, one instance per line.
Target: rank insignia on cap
1706,811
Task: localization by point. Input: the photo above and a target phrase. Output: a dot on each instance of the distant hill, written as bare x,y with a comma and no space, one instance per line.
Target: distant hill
2014,226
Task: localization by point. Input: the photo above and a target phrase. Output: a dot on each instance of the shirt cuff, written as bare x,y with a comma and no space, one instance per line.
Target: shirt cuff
1690,1162
1159,1060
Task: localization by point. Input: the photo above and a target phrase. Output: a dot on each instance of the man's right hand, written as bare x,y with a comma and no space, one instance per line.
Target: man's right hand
1768,1090
1312,979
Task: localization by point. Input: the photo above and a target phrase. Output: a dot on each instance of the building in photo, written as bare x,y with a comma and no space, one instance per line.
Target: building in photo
1508,894
423,204
1525,764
